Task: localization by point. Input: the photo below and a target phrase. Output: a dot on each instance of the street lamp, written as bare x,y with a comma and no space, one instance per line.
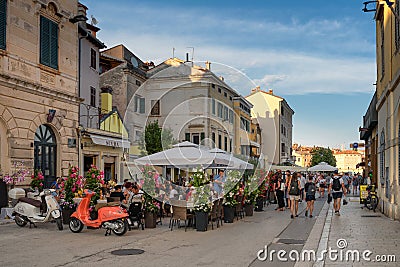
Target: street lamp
388,3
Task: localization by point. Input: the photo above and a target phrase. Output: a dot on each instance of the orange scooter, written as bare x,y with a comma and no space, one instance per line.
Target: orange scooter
112,218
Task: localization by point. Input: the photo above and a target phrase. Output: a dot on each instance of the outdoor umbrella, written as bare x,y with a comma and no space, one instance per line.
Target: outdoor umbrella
322,167
183,155
233,162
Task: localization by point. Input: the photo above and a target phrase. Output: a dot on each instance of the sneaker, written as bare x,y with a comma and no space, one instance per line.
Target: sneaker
338,214
297,215
311,216
291,216
306,213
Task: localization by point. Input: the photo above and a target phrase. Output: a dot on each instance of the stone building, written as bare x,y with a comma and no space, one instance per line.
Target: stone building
38,85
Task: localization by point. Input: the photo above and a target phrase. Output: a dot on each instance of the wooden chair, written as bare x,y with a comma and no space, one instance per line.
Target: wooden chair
239,208
179,214
213,215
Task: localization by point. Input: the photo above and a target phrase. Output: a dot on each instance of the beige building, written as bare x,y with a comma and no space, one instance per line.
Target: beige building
38,85
348,160
274,115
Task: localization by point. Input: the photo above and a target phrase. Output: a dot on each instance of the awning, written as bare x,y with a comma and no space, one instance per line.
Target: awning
110,141
255,144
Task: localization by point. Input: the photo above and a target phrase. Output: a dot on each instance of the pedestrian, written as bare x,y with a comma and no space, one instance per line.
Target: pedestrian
310,189
302,185
293,185
322,186
328,180
355,184
338,189
346,181
280,193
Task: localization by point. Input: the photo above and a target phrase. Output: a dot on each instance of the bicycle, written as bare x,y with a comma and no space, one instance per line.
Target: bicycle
372,200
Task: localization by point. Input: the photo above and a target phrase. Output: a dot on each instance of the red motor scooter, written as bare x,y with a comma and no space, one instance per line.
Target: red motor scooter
112,218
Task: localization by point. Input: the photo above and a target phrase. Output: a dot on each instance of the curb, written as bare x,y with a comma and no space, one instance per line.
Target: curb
314,239
6,221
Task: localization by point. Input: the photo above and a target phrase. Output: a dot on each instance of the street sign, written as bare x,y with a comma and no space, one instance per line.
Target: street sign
355,145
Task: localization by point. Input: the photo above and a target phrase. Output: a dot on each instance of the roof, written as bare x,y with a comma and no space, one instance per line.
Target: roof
271,93
91,38
348,152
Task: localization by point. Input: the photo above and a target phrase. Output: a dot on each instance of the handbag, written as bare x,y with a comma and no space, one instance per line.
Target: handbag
329,198
345,201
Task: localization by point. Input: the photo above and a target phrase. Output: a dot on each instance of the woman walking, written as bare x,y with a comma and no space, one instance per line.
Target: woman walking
280,193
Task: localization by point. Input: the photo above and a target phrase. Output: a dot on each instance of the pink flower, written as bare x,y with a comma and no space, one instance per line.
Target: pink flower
41,184
101,173
102,181
73,175
93,176
73,189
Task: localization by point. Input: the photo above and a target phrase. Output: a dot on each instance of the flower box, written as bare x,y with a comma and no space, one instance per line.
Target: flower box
248,209
229,214
201,221
66,215
150,219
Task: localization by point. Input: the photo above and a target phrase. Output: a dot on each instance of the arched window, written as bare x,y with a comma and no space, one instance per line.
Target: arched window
45,153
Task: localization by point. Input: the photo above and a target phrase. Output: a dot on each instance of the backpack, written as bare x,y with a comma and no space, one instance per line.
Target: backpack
336,184
311,189
294,187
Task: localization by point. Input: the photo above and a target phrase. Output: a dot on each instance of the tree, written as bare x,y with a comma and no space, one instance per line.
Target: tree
155,139
321,154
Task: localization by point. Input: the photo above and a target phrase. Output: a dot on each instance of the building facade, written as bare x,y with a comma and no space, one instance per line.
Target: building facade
274,115
348,161
388,107
39,100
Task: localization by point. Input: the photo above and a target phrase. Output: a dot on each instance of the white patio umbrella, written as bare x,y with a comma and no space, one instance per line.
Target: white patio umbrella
322,167
183,155
234,163
288,168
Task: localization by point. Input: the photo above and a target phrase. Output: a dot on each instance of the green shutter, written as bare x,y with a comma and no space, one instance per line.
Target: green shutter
3,23
187,137
48,43
202,136
142,105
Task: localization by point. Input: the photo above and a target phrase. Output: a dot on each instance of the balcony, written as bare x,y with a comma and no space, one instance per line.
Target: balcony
370,119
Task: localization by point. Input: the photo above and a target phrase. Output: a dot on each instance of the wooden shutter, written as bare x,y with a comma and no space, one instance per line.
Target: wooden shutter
3,23
48,43
142,105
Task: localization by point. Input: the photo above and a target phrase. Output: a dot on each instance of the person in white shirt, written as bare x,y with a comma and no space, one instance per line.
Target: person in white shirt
338,189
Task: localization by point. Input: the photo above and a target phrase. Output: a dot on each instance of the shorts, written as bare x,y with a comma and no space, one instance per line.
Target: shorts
336,195
293,197
310,197
322,186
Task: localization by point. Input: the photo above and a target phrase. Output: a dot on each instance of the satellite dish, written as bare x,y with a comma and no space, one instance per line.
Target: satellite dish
134,62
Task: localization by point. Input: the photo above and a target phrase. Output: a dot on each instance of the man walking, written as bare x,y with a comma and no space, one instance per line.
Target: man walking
338,189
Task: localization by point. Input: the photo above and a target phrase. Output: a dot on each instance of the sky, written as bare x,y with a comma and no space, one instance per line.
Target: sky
318,55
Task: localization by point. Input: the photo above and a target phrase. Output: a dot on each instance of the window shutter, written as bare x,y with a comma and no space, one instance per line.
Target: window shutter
3,23
142,105
44,41
53,45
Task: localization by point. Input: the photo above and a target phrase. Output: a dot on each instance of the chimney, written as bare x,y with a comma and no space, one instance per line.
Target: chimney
106,100
258,89
221,78
187,57
208,65
271,92
82,9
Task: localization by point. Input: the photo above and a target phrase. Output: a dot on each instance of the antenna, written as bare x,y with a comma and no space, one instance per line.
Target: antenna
192,53
173,52
94,20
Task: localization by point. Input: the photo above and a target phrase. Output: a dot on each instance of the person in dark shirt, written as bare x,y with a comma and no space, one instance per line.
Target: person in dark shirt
310,189
118,193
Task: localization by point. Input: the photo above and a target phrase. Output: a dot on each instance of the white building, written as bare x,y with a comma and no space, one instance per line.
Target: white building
275,118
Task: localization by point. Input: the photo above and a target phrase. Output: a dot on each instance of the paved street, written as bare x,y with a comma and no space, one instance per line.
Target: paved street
234,244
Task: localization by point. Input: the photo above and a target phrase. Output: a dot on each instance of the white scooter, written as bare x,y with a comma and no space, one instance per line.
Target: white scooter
36,211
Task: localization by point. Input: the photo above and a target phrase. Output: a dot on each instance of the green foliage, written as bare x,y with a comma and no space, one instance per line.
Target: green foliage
149,183
94,182
37,180
202,198
321,154
155,139
199,178
251,190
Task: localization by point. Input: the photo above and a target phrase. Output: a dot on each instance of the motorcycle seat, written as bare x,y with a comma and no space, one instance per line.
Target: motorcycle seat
33,202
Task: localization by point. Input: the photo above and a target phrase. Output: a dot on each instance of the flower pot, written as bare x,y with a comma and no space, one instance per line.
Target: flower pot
248,209
259,204
66,215
150,219
229,214
201,221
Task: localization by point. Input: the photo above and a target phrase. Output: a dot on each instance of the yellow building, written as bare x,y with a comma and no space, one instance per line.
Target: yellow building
348,160
107,147
388,107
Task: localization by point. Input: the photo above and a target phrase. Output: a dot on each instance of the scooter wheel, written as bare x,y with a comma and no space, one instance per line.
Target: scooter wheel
59,224
75,225
122,227
20,221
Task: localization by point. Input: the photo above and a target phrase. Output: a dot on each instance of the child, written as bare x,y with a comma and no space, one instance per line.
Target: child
310,189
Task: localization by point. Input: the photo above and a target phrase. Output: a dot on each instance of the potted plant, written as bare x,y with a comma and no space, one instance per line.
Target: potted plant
151,209
37,180
71,188
251,192
202,205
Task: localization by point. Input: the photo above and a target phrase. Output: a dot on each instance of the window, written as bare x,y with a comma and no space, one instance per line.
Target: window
213,106
231,117
219,90
202,136
226,143
213,139
92,96
155,107
213,85
187,137
283,148
93,58
3,23
139,104
138,83
230,98
220,110
48,43
196,139
138,135
226,113
225,95
230,145
282,111
244,124
220,141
